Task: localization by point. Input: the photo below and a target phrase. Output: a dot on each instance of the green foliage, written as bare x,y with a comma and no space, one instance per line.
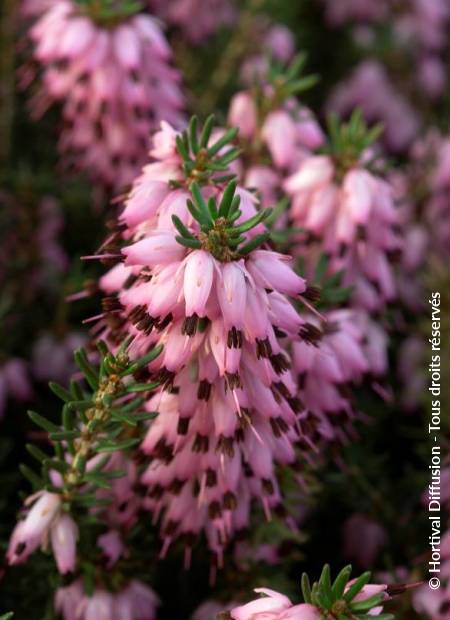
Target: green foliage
100,415
220,234
338,599
202,162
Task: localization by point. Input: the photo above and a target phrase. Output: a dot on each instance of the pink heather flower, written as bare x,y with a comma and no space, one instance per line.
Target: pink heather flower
63,535
326,373
52,358
112,546
44,523
14,382
274,40
68,600
356,221
361,527
369,88
432,76
197,19
227,385
289,132
134,602
280,41
274,606
112,96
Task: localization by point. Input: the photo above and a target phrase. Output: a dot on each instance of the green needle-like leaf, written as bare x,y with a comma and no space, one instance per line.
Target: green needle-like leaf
43,422
60,392
340,582
184,232
227,199
306,588
207,130
357,586
254,243
193,135
228,137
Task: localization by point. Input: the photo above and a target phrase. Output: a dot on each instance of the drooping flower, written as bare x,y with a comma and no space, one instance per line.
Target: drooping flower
204,286
352,212
136,601
327,373
45,523
113,77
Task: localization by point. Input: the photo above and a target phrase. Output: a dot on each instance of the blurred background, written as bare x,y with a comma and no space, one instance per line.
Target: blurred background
365,501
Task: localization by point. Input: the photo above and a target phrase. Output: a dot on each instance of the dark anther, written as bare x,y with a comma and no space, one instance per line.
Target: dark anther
190,324
165,322
214,510
280,363
234,340
310,334
226,445
268,487
204,390
282,389
201,443
312,294
211,478
234,380
229,500
183,426
263,348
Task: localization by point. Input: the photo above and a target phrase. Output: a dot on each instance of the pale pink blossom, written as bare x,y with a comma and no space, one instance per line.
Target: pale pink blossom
45,523
356,221
361,527
111,96
274,606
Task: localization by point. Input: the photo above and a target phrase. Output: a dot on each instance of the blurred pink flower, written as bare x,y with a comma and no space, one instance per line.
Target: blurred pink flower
197,19
112,97
369,88
360,527
14,382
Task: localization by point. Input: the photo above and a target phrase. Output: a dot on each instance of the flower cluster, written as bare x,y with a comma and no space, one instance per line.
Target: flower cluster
345,599
134,602
94,60
277,132
338,199
90,470
370,88
203,287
